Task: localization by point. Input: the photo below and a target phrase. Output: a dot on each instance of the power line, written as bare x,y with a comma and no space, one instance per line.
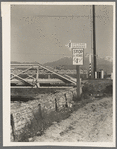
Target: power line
67,16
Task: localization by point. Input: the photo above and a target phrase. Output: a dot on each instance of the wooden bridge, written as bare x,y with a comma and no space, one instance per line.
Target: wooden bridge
35,75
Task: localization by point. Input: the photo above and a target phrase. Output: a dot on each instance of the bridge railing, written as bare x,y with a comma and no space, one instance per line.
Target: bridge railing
18,70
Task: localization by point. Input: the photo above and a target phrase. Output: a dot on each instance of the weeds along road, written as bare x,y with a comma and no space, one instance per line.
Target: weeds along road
91,123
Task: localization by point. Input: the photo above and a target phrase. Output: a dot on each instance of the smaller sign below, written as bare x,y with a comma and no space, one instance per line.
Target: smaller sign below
78,56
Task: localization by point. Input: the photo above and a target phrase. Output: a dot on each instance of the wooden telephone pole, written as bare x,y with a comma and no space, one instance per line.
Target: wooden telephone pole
94,42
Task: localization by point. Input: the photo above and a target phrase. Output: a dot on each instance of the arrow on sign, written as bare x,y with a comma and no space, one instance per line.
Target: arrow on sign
69,45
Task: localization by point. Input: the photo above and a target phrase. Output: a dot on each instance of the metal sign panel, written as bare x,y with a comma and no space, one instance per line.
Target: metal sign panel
71,45
78,45
78,56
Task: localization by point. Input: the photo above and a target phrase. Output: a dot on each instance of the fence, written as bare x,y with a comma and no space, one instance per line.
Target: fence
33,117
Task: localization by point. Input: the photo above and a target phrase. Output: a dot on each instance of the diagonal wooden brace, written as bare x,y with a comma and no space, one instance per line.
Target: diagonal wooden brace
22,72
21,79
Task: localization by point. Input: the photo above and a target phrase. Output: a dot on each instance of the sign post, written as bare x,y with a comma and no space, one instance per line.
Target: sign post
78,59
78,81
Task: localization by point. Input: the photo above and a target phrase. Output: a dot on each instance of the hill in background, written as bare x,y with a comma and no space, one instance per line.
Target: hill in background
66,63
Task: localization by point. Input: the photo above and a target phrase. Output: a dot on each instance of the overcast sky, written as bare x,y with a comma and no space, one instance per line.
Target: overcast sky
40,33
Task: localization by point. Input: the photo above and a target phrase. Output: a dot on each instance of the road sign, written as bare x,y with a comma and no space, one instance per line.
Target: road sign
71,45
78,45
78,59
78,56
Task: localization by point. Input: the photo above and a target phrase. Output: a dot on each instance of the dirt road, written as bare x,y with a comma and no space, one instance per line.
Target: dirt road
92,123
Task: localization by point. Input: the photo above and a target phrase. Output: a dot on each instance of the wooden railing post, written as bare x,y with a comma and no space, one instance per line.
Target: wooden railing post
66,105
56,108
40,113
13,127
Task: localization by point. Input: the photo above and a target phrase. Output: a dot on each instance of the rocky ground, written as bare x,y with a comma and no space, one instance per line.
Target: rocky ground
59,120
91,123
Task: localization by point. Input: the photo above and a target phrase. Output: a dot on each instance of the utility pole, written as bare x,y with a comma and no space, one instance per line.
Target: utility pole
94,42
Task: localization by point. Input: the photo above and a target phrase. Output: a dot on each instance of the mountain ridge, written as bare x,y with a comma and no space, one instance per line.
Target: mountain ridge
66,63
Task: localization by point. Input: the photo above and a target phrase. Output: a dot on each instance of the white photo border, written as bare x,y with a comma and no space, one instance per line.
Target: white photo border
6,47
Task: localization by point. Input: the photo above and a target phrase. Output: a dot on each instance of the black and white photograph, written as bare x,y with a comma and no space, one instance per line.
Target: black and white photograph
58,73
